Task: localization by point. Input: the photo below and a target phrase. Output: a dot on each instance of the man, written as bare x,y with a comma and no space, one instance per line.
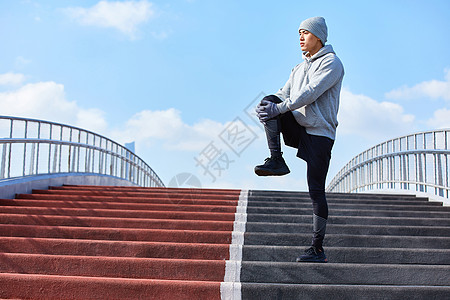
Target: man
305,112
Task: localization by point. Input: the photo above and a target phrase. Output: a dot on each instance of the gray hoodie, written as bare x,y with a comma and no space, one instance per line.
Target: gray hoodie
312,92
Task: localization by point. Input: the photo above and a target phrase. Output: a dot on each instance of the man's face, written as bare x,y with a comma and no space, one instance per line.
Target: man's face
309,42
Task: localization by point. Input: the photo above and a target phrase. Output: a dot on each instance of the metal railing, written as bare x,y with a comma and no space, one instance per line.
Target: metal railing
30,147
418,162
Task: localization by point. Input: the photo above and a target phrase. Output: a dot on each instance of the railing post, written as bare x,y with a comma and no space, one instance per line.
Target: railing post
33,149
37,150
3,166
24,150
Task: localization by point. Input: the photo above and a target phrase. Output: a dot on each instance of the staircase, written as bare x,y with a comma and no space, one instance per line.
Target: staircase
88,242
378,247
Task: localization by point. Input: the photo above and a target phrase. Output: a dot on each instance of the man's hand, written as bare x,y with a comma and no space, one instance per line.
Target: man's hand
259,109
266,110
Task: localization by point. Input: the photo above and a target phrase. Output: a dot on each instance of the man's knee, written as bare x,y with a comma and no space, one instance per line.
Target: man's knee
272,98
320,205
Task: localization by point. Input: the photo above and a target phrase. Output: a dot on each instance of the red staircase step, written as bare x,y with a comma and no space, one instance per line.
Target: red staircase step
31,286
149,189
120,267
113,213
51,220
134,193
124,234
128,199
114,248
116,205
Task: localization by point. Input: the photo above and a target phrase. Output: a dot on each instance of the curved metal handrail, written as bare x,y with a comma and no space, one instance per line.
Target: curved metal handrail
418,162
31,147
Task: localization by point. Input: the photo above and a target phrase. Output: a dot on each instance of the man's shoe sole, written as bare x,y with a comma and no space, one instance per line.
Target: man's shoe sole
262,172
313,261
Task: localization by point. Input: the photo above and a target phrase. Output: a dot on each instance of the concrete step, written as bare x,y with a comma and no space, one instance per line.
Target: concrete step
354,255
350,207
338,273
350,229
348,240
306,200
353,196
341,292
352,220
350,212
267,196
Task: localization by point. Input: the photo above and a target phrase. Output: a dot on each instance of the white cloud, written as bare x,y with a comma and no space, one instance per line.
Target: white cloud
11,79
47,101
42,99
365,117
92,119
124,16
434,89
440,119
165,127
155,124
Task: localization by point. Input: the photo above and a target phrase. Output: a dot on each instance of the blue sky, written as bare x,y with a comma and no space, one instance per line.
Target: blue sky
178,77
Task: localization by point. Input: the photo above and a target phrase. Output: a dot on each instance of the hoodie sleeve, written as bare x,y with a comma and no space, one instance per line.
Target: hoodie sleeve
328,74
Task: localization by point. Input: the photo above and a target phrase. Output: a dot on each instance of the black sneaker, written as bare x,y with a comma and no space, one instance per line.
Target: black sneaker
313,254
273,166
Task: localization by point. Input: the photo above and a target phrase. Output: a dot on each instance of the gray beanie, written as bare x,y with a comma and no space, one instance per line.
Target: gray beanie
317,26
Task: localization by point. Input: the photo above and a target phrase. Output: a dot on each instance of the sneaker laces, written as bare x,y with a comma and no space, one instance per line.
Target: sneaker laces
273,158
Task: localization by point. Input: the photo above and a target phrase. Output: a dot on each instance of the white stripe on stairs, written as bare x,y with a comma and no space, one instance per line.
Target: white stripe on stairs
230,288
